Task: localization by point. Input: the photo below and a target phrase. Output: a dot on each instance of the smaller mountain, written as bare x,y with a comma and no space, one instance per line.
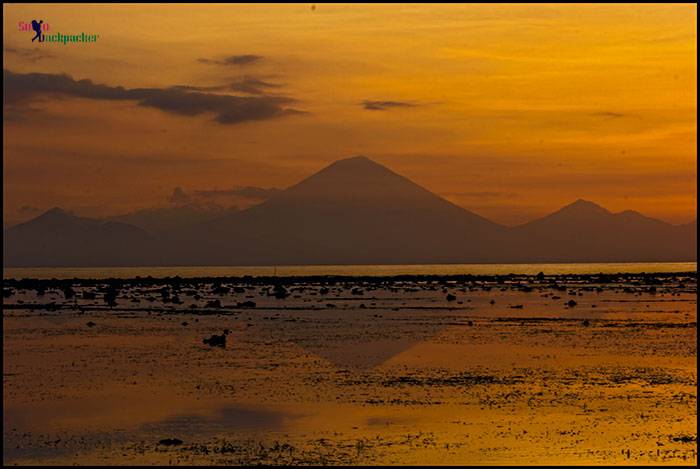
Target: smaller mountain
586,232
59,238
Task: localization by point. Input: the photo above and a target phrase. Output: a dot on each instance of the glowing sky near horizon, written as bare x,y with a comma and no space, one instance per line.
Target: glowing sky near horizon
511,111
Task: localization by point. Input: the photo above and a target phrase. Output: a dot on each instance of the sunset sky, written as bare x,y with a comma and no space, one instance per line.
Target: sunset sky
511,111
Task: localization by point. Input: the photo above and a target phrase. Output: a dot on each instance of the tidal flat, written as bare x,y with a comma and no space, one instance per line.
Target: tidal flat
337,370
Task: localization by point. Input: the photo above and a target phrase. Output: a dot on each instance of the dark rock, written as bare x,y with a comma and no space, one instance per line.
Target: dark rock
216,340
88,295
170,442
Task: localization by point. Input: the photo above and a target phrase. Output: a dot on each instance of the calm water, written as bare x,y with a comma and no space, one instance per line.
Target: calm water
378,270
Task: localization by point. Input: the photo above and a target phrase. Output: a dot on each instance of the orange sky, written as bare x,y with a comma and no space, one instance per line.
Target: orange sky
511,111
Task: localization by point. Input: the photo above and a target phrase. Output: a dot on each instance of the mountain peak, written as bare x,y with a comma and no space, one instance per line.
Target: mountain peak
584,206
353,177
356,162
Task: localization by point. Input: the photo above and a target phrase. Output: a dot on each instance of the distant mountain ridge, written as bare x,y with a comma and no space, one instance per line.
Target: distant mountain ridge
354,211
59,238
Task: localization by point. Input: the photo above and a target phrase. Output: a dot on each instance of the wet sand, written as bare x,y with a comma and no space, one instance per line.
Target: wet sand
362,370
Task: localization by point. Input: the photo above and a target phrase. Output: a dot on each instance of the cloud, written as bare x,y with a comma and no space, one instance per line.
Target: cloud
27,209
247,85
233,60
385,105
252,85
179,197
608,114
227,109
31,55
240,196
246,192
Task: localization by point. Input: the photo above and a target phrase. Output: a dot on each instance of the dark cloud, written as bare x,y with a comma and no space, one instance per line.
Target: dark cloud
31,55
609,114
247,85
385,105
179,197
233,60
246,192
228,109
252,85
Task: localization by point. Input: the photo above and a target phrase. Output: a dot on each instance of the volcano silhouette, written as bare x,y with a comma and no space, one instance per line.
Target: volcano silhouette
354,211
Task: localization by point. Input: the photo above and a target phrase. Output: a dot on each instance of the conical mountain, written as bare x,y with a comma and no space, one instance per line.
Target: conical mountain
354,211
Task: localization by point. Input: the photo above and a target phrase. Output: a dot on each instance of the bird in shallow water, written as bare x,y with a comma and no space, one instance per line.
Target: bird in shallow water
217,340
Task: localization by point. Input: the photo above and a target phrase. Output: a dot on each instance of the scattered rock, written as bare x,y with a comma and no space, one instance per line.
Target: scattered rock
216,340
170,442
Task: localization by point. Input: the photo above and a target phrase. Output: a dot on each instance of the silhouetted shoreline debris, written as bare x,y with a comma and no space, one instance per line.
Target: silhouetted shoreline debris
217,340
330,280
170,442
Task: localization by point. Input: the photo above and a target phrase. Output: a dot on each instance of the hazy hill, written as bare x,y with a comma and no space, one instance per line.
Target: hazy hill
59,238
586,232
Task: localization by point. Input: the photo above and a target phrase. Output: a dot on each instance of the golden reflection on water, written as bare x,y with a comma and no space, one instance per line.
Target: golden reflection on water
396,377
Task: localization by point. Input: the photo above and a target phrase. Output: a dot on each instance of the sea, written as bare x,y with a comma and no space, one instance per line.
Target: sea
345,270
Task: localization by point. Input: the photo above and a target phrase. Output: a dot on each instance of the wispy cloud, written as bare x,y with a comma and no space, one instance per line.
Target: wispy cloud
609,114
227,109
247,84
385,105
30,55
253,85
233,60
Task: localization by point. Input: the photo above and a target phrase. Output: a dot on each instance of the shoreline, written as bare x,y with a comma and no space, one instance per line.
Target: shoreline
332,279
